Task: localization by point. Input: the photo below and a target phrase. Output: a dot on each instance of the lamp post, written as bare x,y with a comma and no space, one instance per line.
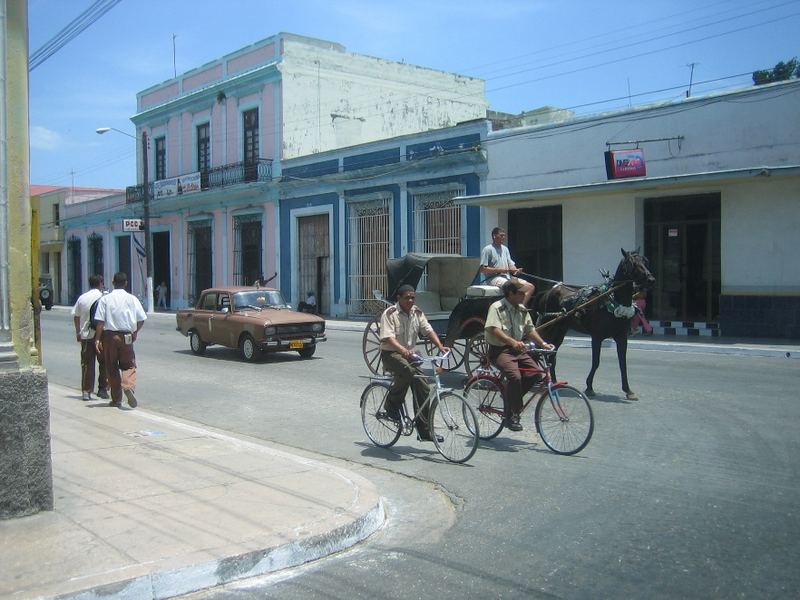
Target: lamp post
148,254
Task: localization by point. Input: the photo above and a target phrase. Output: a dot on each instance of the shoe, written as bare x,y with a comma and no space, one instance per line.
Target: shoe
512,423
393,414
426,437
102,393
86,396
114,404
131,398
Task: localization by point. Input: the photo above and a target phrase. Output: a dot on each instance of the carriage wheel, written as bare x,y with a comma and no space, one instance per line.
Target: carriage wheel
458,350
371,346
477,354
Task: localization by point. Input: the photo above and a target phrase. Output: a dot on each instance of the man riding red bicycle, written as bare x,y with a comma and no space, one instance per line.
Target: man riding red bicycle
508,326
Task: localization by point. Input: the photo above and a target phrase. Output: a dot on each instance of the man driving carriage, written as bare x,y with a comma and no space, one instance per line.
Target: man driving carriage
401,325
498,267
508,325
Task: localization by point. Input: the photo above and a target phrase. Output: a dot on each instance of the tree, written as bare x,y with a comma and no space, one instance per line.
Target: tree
780,72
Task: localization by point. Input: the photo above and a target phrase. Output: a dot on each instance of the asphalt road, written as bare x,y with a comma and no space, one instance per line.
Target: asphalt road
691,492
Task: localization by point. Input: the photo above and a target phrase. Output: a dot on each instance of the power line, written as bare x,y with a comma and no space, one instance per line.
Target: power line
70,32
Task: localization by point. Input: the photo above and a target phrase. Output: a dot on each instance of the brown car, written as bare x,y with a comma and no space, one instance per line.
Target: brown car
252,319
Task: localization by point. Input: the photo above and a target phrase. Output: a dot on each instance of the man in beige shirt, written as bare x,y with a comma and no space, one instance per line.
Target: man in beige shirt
508,326
401,325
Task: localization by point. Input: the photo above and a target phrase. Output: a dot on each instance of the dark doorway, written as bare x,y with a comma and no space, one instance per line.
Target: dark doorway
682,241
74,275
314,258
534,239
124,254
161,262
247,249
201,273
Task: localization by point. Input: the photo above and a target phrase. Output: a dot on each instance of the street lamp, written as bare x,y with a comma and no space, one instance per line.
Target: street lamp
148,255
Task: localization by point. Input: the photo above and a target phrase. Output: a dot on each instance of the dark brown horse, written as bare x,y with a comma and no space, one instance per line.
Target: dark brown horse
597,317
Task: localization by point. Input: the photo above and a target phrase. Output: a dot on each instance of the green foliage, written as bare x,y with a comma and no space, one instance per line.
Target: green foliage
780,72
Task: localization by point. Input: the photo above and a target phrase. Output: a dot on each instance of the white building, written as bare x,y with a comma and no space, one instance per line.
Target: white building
717,212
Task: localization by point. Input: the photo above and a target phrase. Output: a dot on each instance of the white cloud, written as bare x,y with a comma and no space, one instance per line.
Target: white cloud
44,139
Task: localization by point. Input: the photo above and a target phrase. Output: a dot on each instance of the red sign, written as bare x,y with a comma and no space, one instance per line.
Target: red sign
625,163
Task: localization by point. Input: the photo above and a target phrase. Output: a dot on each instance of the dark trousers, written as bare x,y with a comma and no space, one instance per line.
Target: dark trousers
404,374
518,383
120,363
88,357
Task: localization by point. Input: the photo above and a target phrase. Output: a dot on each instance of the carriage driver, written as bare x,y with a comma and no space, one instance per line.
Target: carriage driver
508,325
498,267
401,325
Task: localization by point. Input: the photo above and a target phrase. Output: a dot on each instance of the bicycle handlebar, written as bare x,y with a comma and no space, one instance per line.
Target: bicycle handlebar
434,360
531,347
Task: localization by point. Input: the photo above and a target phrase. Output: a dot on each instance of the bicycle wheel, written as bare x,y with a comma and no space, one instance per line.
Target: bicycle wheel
477,353
485,396
382,431
564,420
452,419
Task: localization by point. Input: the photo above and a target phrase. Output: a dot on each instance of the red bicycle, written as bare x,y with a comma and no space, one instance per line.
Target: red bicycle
563,417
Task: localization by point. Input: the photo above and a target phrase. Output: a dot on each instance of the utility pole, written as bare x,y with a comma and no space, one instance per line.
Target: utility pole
148,253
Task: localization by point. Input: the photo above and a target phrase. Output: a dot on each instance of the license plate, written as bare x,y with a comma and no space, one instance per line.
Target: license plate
295,344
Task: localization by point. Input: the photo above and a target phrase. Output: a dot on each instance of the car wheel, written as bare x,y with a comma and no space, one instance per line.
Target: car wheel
308,351
197,345
248,348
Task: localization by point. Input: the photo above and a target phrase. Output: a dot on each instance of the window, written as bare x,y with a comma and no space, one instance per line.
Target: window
247,249
250,136
161,158
56,215
437,222
203,149
368,251
200,257
95,254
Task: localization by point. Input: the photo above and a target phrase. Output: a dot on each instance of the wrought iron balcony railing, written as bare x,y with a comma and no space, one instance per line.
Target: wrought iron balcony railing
226,175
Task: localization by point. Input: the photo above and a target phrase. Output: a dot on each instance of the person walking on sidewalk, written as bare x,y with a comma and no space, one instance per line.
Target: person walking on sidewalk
84,333
119,318
401,325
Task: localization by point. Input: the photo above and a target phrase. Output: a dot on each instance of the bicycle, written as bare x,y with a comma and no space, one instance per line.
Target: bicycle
563,416
452,421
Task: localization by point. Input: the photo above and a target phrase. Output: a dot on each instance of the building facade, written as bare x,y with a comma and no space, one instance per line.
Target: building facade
716,210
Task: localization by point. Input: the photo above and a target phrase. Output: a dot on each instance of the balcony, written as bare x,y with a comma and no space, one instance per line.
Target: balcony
218,177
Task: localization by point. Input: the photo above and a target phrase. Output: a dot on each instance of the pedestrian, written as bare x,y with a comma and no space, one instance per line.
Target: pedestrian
508,327
639,322
401,325
310,304
119,318
162,295
84,333
498,267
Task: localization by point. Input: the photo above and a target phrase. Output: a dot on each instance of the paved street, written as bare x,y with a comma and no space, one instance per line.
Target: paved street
690,492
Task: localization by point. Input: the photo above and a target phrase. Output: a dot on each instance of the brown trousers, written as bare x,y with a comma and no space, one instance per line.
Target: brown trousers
120,363
404,377
517,382
89,355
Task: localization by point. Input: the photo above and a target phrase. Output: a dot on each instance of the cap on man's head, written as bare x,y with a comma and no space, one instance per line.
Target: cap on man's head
510,287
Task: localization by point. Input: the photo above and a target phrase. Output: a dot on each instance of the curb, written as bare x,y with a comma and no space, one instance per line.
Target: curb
194,578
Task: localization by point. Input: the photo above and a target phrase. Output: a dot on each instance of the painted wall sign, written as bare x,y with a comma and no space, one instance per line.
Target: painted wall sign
175,186
625,163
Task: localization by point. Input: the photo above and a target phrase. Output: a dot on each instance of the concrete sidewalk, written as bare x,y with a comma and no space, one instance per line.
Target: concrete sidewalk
152,507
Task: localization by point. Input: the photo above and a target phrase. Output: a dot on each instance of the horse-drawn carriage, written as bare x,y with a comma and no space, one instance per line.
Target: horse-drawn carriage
455,308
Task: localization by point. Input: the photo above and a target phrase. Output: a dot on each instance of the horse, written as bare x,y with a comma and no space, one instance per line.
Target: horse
596,318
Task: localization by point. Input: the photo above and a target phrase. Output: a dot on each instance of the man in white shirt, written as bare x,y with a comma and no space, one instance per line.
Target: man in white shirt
498,267
84,333
119,318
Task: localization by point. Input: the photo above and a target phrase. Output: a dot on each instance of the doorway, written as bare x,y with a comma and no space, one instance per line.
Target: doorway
314,255
682,241
534,240
161,263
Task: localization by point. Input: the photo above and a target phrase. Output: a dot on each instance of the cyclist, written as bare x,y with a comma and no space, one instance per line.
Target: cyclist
508,325
401,325
498,267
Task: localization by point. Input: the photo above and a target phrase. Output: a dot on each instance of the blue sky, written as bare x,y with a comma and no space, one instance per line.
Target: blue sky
584,55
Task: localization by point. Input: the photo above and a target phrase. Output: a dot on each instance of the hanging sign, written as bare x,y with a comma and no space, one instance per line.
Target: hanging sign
132,225
625,163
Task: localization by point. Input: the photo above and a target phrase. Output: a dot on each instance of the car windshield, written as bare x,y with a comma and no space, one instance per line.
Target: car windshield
258,299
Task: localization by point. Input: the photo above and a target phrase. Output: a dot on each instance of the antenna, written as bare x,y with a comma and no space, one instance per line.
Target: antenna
174,69
691,65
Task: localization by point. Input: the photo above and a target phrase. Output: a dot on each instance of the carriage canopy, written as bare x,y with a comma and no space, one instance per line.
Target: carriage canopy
446,275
